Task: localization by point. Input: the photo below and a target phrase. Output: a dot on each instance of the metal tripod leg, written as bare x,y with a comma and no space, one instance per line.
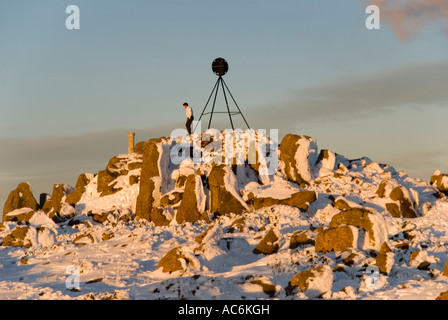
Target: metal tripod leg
203,110
236,104
227,104
214,102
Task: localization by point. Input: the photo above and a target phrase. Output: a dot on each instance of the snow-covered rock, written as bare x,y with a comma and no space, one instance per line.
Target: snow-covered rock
313,282
298,155
320,222
225,196
21,197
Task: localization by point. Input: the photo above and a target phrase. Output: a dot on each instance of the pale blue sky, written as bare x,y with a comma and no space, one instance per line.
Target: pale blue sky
307,67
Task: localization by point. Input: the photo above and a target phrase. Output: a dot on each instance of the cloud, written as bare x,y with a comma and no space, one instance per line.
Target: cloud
408,16
341,114
353,97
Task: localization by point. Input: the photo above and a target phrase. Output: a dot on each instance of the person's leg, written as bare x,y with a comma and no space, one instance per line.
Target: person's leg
188,125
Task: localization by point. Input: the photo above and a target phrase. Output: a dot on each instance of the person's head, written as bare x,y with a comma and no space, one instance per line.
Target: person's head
185,105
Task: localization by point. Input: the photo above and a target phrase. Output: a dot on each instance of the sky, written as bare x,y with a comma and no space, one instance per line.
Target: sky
68,97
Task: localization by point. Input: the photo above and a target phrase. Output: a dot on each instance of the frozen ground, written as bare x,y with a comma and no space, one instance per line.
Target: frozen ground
124,266
117,258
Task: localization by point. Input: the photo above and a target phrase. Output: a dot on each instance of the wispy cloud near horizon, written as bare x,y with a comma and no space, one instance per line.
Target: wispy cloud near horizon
418,86
406,17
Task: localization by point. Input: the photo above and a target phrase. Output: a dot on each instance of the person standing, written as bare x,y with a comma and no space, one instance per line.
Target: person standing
190,117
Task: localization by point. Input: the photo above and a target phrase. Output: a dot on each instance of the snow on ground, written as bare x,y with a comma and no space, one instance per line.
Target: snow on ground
124,267
118,258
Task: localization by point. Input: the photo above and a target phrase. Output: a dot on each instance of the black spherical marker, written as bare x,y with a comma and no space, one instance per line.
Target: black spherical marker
220,67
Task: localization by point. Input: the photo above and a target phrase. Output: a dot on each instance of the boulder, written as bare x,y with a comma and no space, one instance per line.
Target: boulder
186,168
100,217
20,236
20,215
265,283
140,147
83,239
58,198
160,216
342,203
300,199
445,269
29,236
385,259
302,238
269,244
372,223
338,239
43,198
193,201
209,242
224,194
21,197
153,178
443,296
172,198
119,165
385,187
420,260
440,181
326,162
403,206
105,185
313,282
178,259
400,202
83,180
147,198
298,155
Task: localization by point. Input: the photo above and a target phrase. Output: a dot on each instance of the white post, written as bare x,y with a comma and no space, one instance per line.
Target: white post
131,142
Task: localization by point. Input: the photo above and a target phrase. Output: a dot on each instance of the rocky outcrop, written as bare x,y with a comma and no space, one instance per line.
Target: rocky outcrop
21,197
20,215
153,173
440,181
326,162
337,239
178,259
357,228
269,244
26,237
20,237
300,199
302,238
121,165
54,205
298,156
400,202
224,194
192,206
161,216
342,203
385,259
83,180
403,206
313,282
372,224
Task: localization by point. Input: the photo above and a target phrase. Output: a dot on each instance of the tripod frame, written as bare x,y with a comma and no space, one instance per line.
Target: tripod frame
222,83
